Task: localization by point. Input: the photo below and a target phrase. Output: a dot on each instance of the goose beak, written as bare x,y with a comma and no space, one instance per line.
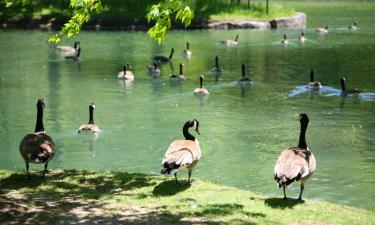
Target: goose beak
197,131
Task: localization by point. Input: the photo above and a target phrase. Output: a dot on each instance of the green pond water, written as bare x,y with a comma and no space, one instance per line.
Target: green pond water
243,130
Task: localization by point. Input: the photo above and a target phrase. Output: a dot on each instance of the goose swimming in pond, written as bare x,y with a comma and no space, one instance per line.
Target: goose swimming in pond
302,38
346,92
217,70
230,42
37,147
201,90
322,30
153,70
162,58
244,78
180,76
74,55
126,74
295,163
68,49
284,40
183,153
313,84
353,27
187,51
90,126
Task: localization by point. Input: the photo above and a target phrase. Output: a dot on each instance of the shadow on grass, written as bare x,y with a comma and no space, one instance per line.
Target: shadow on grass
281,203
170,187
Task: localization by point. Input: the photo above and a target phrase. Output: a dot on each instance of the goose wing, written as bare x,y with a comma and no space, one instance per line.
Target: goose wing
182,152
37,147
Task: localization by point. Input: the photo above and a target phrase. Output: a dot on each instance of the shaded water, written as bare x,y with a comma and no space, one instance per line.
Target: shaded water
243,130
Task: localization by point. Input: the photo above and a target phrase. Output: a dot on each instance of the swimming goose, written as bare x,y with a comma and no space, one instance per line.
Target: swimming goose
73,55
353,27
187,51
90,126
322,30
162,58
345,92
230,42
313,84
153,70
217,70
37,147
295,163
180,76
126,74
201,90
301,38
284,40
244,78
66,48
183,153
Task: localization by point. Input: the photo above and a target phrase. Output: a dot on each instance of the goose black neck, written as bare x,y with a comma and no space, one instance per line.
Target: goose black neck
170,55
201,82
312,76
181,72
243,70
185,131
236,38
124,69
39,121
91,115
343,88
187,46
78,51
217,62
75,45
302,136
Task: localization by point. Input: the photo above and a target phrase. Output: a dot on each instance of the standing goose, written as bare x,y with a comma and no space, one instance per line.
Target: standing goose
284,40
302,38
187,51
217,70
345,92
37,147
68,49
295,163
74,55
90,126
322,30
353,27
162,58
183,153
153,70
244,78
126,73
180,76
230,42
201,90
314,84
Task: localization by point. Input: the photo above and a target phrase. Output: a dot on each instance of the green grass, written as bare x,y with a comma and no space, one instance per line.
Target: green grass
75,196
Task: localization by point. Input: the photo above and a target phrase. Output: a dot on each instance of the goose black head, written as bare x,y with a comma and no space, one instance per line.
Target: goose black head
193,123
92,106
302,34
285,36
355,23
342,81
236,38
40,104
303,118
326,27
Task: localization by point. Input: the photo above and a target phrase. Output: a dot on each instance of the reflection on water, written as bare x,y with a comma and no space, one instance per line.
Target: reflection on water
243,128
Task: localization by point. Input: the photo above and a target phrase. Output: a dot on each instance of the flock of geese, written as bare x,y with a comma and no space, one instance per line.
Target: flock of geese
293,164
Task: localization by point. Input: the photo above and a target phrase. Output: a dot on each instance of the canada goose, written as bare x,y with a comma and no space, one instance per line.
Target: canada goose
284,40
313,84
75,55
295,163
126,74
201,89
162,58
353,27
37,147
217,69
90,126
302,38
153,70
187,51
322,30
230,42
180,76
345,92
183,153
66,48
244,78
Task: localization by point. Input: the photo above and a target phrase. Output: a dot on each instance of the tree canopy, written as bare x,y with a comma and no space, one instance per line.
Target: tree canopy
159,15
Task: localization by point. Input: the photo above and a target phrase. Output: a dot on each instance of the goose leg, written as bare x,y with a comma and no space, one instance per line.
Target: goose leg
189,176
300,194
27,169
284,192
45,170
175,176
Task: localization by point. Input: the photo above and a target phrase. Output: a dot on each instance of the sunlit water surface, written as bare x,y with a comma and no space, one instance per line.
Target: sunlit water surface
243,129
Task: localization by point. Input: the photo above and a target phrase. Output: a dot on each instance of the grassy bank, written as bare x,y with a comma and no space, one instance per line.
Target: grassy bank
74,196
130,14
